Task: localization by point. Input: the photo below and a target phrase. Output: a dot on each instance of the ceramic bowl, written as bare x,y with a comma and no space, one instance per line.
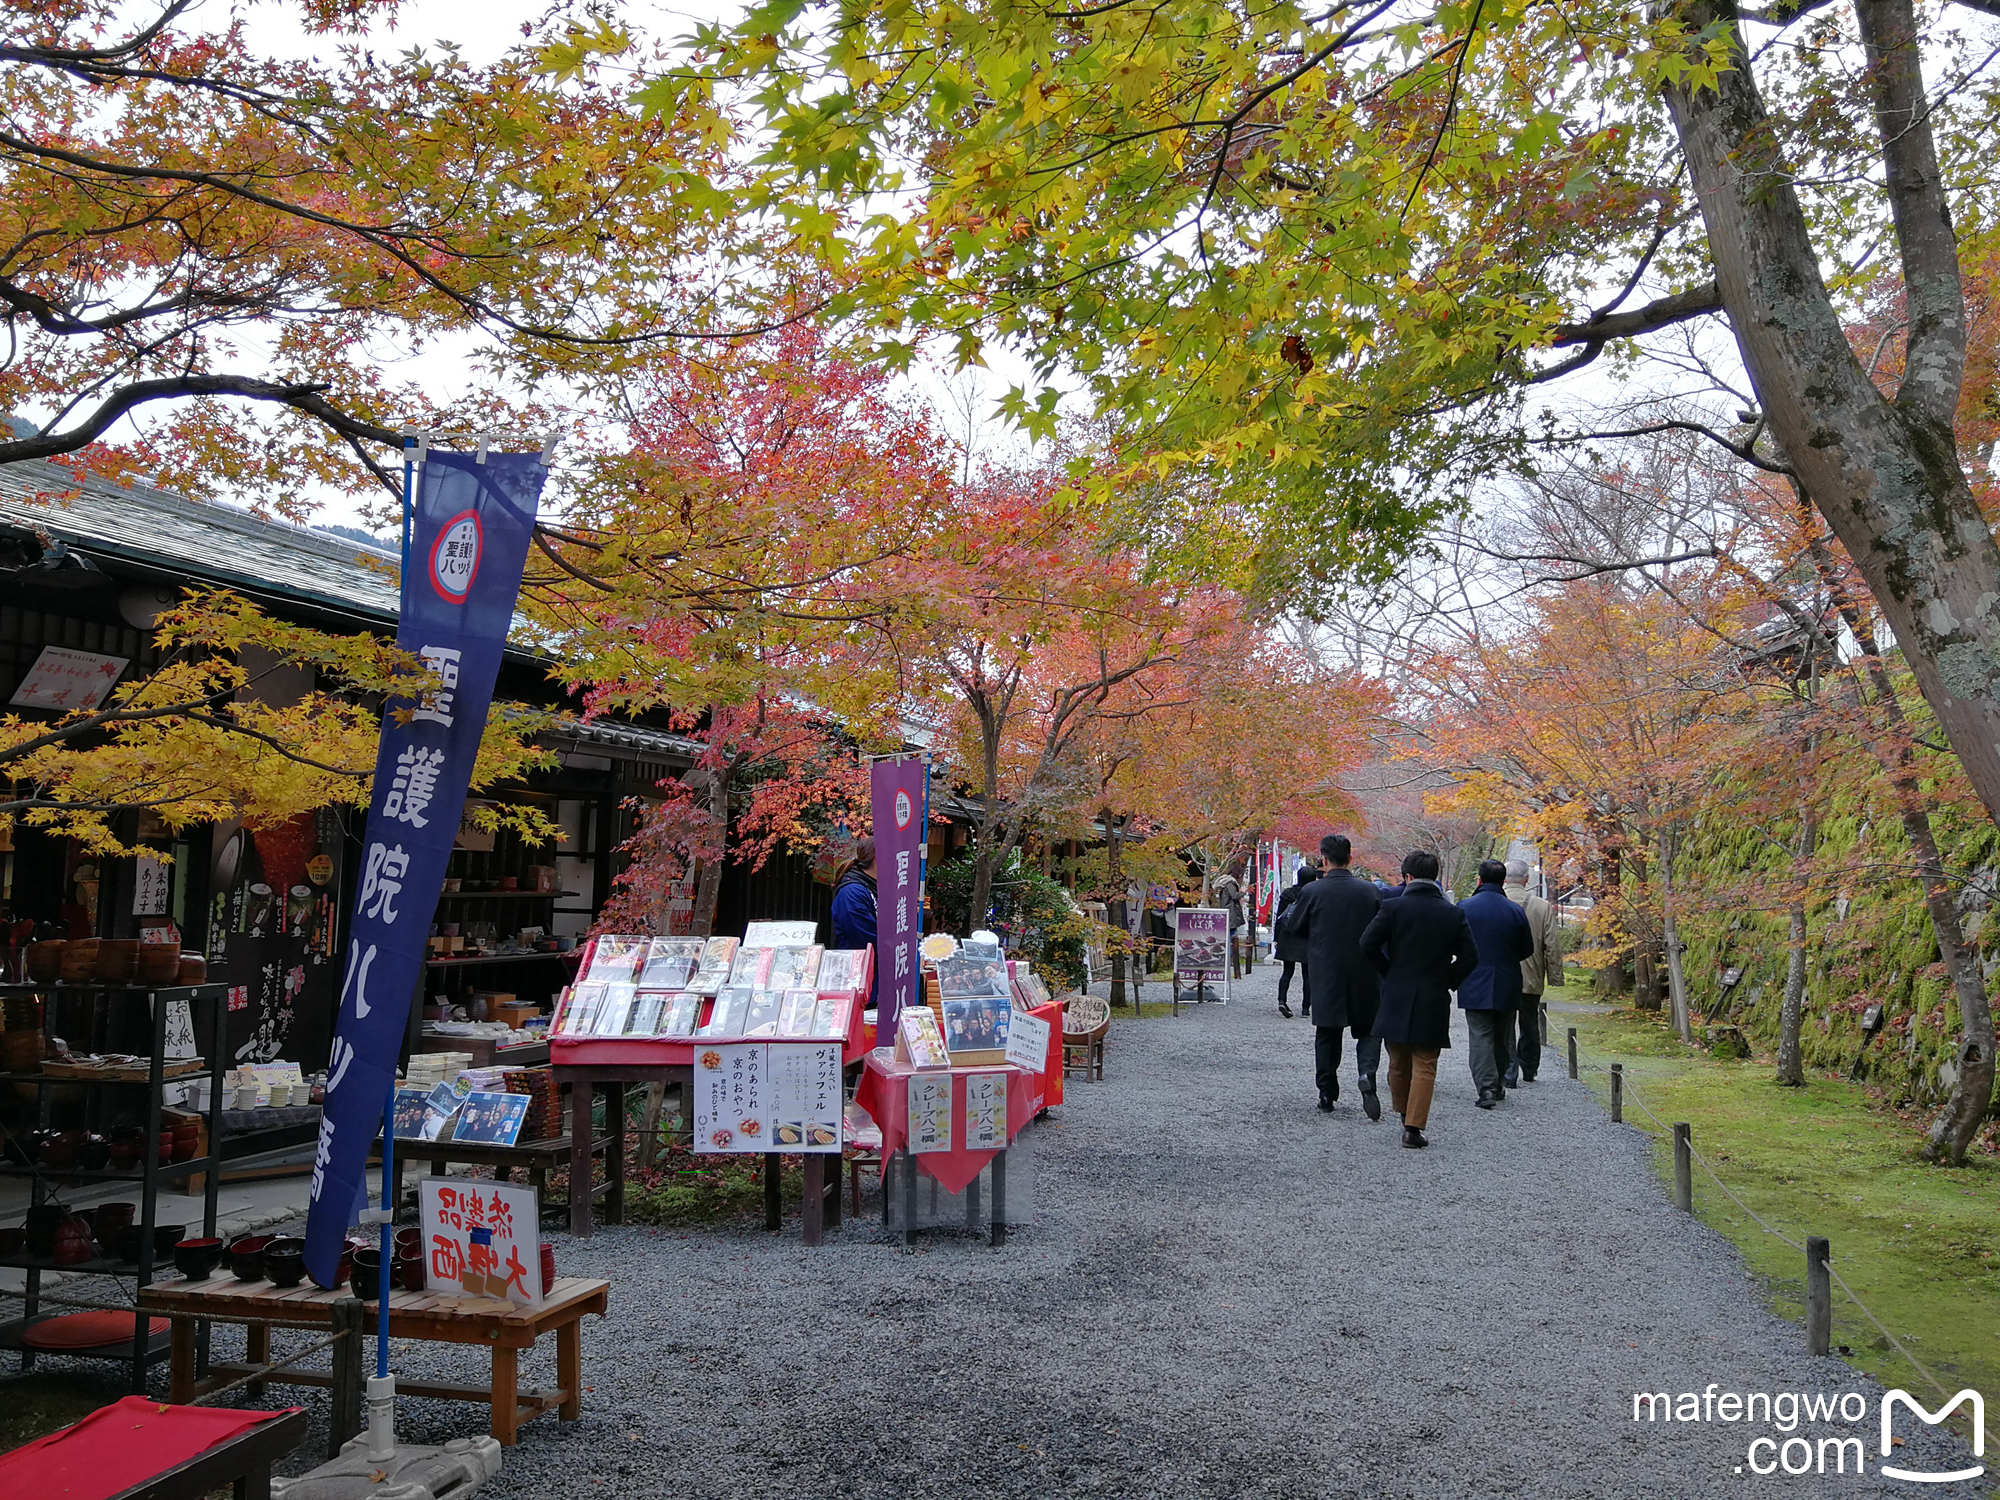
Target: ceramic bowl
284,1260
366,1275
197,1259
166,1236
246,1257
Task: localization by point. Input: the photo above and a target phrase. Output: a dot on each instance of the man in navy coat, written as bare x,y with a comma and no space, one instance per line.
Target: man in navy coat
1491,993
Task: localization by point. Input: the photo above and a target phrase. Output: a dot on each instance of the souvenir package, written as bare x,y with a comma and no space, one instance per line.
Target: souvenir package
579,1011
765,1008
918,1040
670,963
677,1017
793,968
647,1008
615,958
615,1010
730,1011
717,954
831,1016
844,969
796,1019
752,967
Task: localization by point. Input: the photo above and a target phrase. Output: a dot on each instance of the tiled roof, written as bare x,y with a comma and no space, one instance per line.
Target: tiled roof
213,542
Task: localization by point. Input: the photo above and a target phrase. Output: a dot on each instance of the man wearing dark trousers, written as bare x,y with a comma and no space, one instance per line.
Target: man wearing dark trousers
1545,969
1340,989
1491,993
1421,946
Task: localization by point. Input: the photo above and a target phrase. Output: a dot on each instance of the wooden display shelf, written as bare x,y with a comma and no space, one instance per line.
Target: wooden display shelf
505,895
491,958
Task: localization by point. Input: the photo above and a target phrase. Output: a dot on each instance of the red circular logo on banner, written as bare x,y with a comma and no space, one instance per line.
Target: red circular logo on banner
904,811
455,557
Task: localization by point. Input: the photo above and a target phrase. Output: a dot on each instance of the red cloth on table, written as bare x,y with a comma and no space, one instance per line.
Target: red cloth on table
884,1091
118,1446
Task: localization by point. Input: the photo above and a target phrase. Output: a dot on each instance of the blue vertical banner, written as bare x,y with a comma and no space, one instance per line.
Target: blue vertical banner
470,527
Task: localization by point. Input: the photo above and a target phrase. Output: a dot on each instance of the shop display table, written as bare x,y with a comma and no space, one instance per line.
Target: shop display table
885,1094
138,1448
431,1316
486,1053
536,1158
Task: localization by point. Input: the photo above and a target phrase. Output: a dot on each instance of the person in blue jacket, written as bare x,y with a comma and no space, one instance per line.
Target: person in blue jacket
1491,993
854,908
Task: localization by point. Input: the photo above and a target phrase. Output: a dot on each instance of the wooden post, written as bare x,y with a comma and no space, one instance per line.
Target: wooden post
1572,1052
345,1419
773,1205
1819,1297
1618,1093
1683,1169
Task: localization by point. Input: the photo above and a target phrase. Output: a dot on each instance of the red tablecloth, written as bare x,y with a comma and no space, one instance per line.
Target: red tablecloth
884,1091
118,1446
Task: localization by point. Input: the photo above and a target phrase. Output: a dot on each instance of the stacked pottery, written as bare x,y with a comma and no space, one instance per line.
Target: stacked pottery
158,963
117,959
45,961
72,1242
111,1223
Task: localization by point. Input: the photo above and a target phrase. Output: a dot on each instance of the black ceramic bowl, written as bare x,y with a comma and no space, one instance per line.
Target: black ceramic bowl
285,1261
367,1277
166,1237
196,1259
246,1257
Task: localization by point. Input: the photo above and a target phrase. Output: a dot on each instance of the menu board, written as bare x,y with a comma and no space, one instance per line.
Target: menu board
930,1112
986,1111
805,1096
731,1098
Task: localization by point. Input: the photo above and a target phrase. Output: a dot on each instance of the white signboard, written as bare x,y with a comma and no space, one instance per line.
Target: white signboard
62,678
930,1112
1028,1042
986,1111
150,886
805,1096
732,1102
481,1239
780,934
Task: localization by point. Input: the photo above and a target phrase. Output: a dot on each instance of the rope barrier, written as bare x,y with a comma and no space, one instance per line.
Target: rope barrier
263,1372
1632,1095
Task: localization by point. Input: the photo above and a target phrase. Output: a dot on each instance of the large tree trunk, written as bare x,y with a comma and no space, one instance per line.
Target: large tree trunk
1791,1013
1671,940
708,882
1885,473
1114,879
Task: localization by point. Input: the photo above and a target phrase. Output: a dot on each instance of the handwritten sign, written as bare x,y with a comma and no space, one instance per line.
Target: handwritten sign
985,1111
930,1112
151,886
62,678
1028,1042
482,1239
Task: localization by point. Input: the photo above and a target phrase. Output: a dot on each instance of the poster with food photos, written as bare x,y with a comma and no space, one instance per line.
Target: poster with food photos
731,1101
805,1096
930,1112
985,1111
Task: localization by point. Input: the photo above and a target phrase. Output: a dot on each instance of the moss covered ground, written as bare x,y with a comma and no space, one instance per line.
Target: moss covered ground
1920,1244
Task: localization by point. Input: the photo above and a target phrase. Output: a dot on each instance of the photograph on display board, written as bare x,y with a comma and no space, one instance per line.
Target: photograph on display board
718,954
796,1019
440,1109
832,1014
614,1011
613,958
966,974
975,1025
766,1006
678,1018
752,967
491,1119
670,963
411,1106
794,968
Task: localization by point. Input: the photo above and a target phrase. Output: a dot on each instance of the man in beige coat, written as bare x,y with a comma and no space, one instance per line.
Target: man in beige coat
1543,969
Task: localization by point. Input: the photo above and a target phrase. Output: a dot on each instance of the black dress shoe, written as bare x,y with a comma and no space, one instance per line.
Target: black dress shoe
1371,1102
1325,1104
1413,1138
1527,1078
1487,1099
1512,1078
1284,1010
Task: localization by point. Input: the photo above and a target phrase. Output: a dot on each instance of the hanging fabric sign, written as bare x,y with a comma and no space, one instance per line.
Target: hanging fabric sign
897,790
469,539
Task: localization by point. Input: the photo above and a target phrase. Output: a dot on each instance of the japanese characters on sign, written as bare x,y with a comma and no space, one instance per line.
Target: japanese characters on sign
767,1096
930,1112
481,1239
897,791
66,679
1028,1041
805,1096
152,886
1201,943
986,1111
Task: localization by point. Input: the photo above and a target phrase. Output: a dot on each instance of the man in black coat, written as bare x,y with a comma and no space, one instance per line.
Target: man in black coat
1289,947
1329,918
1423,948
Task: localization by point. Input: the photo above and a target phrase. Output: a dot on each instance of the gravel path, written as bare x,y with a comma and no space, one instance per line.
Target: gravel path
1223,1293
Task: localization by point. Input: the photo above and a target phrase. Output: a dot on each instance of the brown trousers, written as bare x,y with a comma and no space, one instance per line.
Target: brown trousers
1413,1073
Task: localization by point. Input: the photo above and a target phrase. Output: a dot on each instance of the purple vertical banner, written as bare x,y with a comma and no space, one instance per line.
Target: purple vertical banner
469,540
898,788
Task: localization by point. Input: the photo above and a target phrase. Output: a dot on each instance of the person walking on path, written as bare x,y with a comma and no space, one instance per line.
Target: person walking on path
1290,948
854,907
1423,948
1544,969
1491,993
1341,987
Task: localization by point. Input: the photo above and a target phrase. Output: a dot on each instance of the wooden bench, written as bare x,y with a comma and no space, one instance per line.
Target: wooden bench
242,1462
503,1327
